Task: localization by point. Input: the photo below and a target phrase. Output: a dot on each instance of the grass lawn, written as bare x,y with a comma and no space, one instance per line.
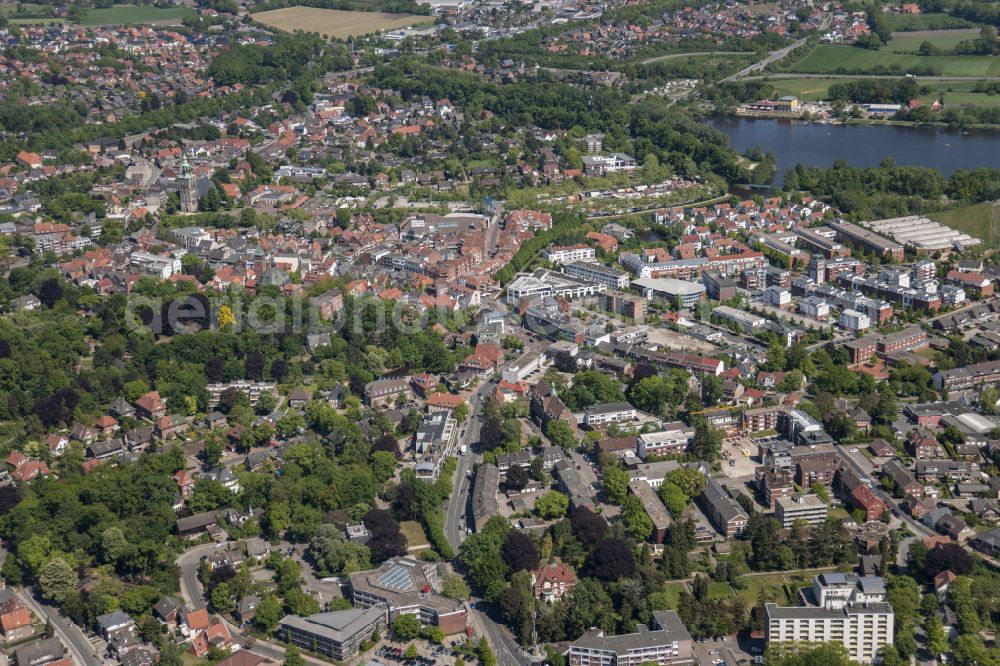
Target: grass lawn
946,40
808,90
718,590
673,592
771,584
414,534
831,58
973,220
133,14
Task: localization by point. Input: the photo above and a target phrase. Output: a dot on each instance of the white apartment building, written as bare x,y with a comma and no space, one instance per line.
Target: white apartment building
862,630
566,254
854,321
674,439
593,272
779,297
809,508
612,412
155,264
849,609
252,389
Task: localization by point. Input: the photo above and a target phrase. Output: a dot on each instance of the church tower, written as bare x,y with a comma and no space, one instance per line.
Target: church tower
189,187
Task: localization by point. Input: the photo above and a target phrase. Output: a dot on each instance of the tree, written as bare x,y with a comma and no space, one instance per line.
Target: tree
57,579
611,559
519,552
808,654
293,657
707,441
455,587
947,556
588,527
589,606
298,602
268,613
222,599
937,640
674,499
114,545
517,477
411,652
552,505
616,484
560,433
406,627
690,481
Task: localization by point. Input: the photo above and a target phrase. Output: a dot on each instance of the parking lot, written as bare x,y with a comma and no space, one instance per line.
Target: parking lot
727,651
736,463
427,654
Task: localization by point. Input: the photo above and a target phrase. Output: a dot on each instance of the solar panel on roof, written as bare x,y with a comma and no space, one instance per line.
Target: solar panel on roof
397,578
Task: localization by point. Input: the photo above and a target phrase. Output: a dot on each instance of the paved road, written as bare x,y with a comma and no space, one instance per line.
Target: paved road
71,636
507,650
671,56
189,562
931,79
915,526
758,66
459,502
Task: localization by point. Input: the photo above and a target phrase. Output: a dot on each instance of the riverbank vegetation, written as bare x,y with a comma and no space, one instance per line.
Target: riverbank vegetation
889,190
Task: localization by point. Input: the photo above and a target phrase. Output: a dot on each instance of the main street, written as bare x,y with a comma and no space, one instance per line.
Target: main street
459,502
506,648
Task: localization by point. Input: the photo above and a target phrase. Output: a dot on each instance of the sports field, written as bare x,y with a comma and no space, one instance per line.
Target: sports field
334,22
834,58
945,40
134,15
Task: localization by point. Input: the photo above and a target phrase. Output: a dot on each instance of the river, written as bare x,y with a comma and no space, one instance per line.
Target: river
794,142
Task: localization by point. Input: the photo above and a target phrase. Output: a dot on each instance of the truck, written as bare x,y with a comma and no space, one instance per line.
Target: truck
462,449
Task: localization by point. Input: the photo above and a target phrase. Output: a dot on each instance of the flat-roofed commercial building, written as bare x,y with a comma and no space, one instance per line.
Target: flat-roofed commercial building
408,586
809,508
665,641
613,277
681,293
337,635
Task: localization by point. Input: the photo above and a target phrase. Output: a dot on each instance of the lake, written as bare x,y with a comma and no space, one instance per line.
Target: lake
794,142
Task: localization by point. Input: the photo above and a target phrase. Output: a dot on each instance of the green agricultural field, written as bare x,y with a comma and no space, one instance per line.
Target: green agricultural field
834,58
944,40
925,22
134,15
973,220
